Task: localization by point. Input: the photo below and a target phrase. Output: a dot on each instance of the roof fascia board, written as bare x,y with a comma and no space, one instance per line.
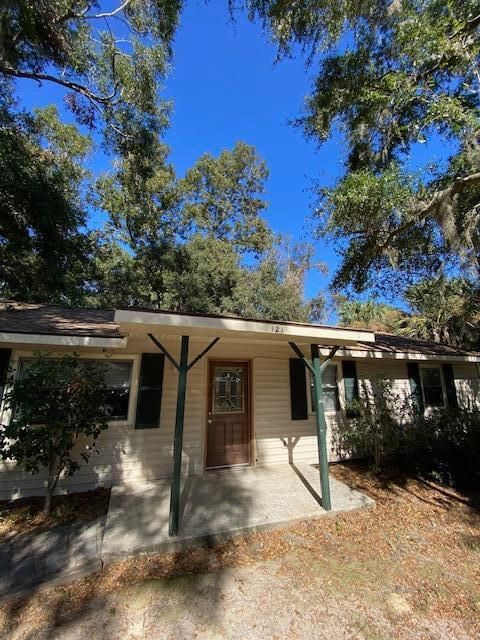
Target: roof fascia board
173,321
401,355
63,340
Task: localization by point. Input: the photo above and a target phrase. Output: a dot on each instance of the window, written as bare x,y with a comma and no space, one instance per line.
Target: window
331,400
117,383
432,386
117,392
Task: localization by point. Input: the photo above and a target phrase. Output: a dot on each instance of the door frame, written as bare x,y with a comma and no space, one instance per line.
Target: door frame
249,401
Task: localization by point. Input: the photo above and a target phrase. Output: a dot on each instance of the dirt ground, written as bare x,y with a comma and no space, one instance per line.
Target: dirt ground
408,569
25,515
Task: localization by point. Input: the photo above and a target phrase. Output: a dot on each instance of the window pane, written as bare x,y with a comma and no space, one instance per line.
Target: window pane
117,382
431,377
432,387
329,376
433,396
330,389
330,399
116,403
117,374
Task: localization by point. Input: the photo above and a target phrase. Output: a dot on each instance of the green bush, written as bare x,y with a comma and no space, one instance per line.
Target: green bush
443,446
373,433
55,402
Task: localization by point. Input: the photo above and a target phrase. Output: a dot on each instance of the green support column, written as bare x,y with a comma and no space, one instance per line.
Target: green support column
178,439
321,429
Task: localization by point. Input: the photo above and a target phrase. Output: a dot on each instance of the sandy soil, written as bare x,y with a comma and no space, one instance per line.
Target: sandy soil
408,569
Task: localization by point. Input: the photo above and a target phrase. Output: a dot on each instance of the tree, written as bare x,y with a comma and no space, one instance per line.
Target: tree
393,75
198,243
44,250
110,63
221,198
369,314
445,310
275,288
55,403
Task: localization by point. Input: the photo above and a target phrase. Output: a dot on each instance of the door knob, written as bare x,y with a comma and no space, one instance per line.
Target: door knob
209,421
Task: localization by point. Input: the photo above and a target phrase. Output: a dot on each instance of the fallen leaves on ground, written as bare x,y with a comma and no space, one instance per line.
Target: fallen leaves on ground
418,549
26,514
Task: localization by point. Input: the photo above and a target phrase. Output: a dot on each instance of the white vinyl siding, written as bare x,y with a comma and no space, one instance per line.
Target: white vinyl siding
131,456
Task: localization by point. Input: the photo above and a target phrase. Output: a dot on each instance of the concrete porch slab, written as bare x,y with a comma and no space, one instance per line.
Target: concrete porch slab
218,505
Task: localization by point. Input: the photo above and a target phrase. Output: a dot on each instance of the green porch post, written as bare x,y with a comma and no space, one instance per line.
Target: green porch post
316,369
178,439
183,368
321,425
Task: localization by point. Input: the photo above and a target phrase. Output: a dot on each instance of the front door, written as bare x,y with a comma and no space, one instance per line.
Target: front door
228,424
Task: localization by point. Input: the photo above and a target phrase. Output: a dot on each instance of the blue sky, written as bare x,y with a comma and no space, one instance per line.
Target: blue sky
226,87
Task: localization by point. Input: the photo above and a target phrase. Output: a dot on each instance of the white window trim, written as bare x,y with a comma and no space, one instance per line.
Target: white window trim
340,391
429,407
17,355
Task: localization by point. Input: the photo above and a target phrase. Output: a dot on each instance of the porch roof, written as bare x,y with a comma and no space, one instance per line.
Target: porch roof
175,323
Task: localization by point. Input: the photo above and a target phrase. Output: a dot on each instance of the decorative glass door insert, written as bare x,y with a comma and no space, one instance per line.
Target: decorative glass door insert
228,390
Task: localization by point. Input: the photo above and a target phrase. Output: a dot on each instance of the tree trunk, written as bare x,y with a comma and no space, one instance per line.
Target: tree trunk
53,475
48,502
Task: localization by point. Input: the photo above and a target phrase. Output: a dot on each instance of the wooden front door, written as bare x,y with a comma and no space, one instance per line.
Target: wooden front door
228,420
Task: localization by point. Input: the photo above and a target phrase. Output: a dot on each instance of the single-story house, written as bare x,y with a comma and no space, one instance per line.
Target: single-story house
197,392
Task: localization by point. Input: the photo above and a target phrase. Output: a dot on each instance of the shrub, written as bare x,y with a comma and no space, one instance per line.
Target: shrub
373,433
53,403
445,446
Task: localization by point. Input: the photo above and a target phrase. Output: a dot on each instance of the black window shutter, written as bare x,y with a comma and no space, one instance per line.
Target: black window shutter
452,400
298,390
149,399
415,385
350,383
4,362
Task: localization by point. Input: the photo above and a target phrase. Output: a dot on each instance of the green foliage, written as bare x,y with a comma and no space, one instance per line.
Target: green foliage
441,309
407,74
44,254
374,432
274,289
110,64
220,198
101,58
445,447
446,310
441,445
198,243
370,314
55,403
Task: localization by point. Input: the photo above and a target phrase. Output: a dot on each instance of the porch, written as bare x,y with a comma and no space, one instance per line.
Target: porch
218,505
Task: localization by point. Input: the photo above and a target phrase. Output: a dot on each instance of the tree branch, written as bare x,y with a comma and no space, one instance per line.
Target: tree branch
459,185
68,84
109,14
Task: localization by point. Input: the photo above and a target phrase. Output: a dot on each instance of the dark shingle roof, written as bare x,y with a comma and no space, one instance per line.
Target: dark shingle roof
46,319
388,342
